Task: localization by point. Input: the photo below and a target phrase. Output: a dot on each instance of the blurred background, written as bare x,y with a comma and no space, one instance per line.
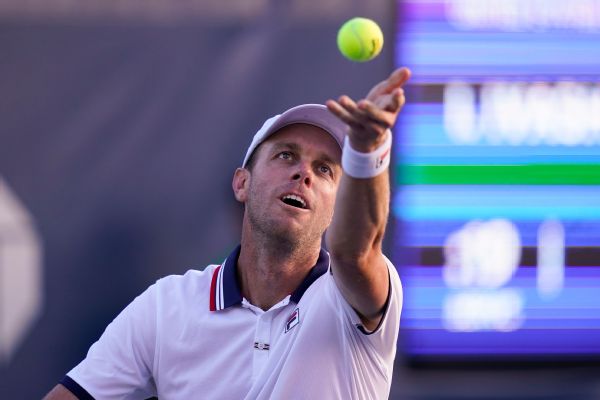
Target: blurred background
121,124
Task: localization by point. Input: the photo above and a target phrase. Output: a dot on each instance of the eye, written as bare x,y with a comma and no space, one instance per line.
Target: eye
285,155
325,169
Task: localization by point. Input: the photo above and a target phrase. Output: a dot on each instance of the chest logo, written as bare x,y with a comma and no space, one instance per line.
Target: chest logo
293,320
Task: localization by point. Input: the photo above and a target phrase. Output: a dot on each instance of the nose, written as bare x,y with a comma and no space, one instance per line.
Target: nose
303,174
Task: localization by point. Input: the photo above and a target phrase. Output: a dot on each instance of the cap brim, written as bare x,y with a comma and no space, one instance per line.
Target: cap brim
312,114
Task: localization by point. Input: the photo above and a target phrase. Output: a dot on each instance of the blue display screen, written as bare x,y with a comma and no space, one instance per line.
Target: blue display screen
496,194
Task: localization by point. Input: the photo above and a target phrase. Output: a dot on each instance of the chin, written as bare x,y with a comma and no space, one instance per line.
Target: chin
290,234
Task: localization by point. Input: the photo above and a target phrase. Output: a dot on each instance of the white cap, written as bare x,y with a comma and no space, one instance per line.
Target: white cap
312,114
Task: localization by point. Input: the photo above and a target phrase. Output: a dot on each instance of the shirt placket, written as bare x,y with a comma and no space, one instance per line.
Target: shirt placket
262,342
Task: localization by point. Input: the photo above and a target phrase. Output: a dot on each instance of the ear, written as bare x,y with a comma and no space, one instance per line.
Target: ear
240,183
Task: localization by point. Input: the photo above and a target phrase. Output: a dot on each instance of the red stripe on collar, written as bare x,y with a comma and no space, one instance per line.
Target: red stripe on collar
213,289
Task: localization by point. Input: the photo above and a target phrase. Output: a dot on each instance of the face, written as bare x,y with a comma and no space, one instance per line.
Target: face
290,191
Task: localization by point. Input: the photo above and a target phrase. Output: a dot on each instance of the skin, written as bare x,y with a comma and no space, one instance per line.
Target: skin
356,233
281,243
60,393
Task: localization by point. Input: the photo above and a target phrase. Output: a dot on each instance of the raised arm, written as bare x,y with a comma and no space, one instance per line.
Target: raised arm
355,235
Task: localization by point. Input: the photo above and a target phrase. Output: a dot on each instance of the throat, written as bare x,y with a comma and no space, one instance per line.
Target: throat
266,290
266,279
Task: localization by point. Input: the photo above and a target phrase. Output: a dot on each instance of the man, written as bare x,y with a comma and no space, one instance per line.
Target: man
280,318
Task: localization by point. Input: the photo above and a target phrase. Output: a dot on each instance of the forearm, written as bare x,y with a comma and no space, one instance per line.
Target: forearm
360,217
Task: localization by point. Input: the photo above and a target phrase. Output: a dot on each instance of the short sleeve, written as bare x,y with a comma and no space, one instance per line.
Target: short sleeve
119,365
384,337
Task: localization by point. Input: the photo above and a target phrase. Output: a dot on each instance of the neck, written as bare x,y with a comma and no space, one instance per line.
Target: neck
270,269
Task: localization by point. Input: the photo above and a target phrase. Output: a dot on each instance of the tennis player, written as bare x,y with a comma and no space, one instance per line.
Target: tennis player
280,318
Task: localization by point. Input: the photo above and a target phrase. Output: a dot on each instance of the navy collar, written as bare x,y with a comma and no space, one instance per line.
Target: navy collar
225,290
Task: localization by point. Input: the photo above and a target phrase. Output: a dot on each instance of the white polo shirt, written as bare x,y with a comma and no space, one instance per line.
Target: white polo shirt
195,336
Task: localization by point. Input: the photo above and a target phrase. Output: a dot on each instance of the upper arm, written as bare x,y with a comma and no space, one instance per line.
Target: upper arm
59,392
366,292
385,331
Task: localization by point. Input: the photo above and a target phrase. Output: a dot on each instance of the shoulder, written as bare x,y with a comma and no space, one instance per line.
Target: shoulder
326,282
393,305
190,277
185,287
395,283
174,291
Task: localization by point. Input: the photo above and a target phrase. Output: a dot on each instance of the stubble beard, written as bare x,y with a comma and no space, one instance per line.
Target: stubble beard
274,235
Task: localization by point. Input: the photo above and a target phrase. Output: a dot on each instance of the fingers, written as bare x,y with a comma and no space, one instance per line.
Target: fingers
391,103
352,114
400,76
370,118
339,108
375,114
396,80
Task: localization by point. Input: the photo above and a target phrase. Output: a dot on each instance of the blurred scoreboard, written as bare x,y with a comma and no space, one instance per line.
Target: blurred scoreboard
497,178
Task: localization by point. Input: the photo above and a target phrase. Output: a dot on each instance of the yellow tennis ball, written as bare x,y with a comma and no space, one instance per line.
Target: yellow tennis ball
360,39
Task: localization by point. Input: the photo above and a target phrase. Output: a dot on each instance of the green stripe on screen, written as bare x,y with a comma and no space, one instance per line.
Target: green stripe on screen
530,174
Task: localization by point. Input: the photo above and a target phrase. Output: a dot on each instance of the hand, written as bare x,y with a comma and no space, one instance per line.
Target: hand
370,118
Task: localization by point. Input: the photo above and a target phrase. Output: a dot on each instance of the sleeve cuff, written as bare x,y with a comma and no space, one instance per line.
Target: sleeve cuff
385,310
75,388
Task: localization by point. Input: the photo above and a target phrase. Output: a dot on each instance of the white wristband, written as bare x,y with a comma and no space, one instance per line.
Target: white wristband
366,165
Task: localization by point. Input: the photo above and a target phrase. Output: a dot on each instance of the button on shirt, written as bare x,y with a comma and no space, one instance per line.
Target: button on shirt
195,336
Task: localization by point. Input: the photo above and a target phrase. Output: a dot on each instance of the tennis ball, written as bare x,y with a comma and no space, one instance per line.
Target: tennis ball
360,39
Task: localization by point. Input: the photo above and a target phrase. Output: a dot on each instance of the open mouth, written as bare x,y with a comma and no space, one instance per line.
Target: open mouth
294,201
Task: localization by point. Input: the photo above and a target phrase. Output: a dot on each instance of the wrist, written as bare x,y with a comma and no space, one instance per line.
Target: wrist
363,165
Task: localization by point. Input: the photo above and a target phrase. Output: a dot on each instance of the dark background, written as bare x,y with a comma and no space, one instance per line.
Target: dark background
120,127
